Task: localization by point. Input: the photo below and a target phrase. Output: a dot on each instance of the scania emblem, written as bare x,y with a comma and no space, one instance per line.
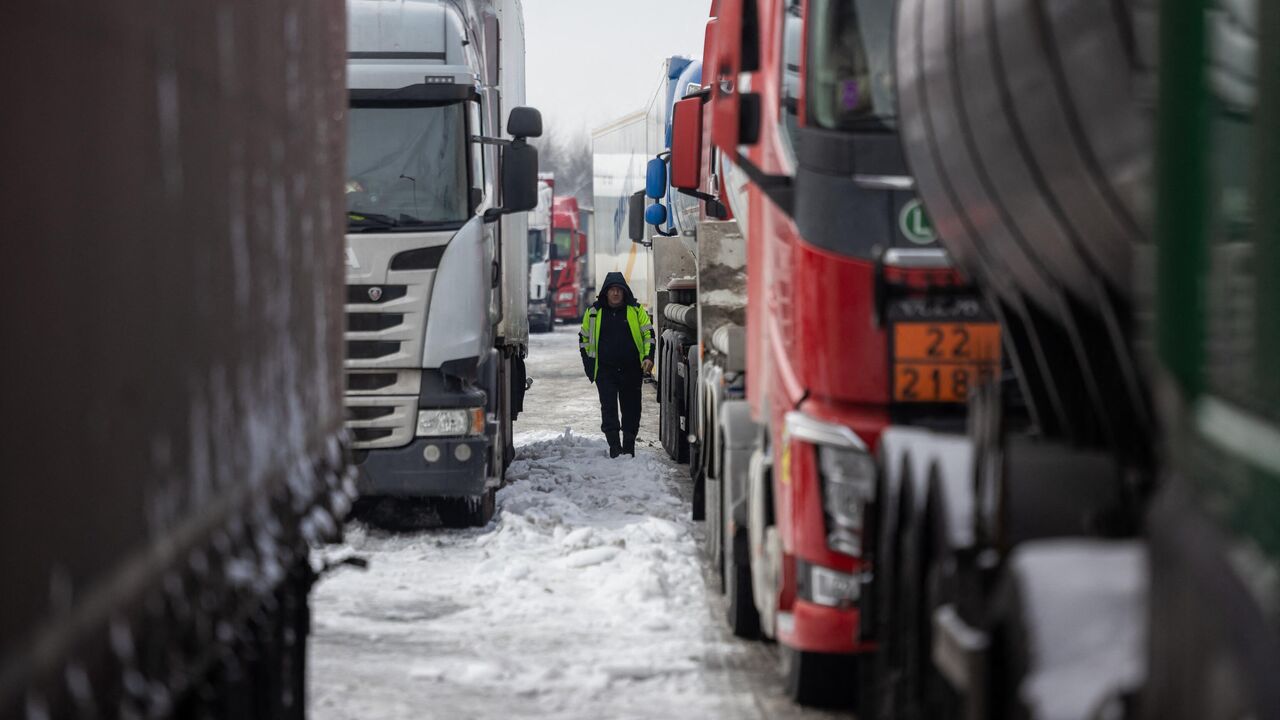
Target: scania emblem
375,294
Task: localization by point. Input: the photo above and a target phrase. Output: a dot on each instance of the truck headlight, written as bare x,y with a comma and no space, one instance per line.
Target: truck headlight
848,483
824,586
447,423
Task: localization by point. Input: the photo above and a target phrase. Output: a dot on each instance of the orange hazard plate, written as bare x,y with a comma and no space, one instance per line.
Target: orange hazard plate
942,362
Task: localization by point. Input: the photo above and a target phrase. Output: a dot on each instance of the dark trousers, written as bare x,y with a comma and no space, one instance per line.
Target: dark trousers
619,388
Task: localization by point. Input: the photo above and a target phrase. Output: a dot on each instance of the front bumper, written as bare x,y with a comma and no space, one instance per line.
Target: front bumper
810,627
540,312
567,309
405,472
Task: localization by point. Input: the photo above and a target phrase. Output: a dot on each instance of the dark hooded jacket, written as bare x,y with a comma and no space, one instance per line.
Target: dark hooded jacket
617,347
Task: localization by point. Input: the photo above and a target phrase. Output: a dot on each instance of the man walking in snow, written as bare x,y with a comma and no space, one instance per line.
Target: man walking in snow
616,343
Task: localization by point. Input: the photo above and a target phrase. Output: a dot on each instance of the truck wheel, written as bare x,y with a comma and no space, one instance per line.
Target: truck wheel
819,679
928,696
699,509
467,512
481,512
715,531
890,660
1010,651
688,404
743,618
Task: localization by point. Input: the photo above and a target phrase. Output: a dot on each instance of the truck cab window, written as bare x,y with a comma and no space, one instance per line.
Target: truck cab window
407,166
476,124
562,245
851,65
537,247
792,34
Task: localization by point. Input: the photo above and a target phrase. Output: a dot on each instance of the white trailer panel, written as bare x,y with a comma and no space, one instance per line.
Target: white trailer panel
514,325
620,152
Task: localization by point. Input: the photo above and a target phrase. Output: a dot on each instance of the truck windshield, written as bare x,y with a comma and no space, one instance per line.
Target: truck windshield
406,166
537,247
563,247
851,65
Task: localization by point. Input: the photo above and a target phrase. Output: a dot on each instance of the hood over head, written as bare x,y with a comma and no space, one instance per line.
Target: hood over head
615,278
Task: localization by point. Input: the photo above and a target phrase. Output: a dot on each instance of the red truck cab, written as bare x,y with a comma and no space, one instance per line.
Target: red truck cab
568,261
855,317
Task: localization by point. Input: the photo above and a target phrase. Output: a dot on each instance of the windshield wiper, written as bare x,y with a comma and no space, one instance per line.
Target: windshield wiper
368,222
355,217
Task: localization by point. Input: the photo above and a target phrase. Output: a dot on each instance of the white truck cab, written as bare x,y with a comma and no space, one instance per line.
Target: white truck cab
437,325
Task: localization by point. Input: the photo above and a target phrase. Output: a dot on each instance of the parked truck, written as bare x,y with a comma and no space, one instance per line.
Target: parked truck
1104,541
173,442
1065,505
437,263
569,260
813,322
541,290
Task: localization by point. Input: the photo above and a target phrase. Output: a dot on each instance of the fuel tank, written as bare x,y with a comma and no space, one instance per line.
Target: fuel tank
1028,125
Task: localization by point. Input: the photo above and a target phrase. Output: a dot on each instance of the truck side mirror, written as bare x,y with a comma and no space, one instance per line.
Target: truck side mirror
519,178
524,122
686,144
635,217
736,116
655,179
656,215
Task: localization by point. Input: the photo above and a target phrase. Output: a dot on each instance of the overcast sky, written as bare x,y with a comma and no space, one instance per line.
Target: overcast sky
591,61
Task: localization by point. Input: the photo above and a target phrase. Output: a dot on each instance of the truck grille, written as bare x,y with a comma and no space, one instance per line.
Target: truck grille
371,435
373,322
375,294
371,382
370,413
378,421
371,349
388,297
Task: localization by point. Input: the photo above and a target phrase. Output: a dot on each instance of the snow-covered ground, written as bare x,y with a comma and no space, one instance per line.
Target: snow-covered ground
584,598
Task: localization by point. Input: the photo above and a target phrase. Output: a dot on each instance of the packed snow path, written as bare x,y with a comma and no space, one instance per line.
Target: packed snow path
584,598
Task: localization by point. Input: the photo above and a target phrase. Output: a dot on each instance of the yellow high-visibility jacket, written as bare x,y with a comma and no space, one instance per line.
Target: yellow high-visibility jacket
589,337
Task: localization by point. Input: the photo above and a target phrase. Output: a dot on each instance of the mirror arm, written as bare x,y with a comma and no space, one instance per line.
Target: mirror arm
704,95
499,142
778,188
493,215
698,194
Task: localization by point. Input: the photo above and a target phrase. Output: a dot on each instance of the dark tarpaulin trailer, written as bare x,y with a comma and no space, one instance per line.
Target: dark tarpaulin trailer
172,354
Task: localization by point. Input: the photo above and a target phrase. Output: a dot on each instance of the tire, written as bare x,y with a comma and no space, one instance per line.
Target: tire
912,607
715,531
688,403
743,618
819,679
467,512
890,659
927,696
1010,652
699,510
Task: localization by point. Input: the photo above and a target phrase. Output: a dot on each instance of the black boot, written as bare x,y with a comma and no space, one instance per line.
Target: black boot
629,445
615,448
